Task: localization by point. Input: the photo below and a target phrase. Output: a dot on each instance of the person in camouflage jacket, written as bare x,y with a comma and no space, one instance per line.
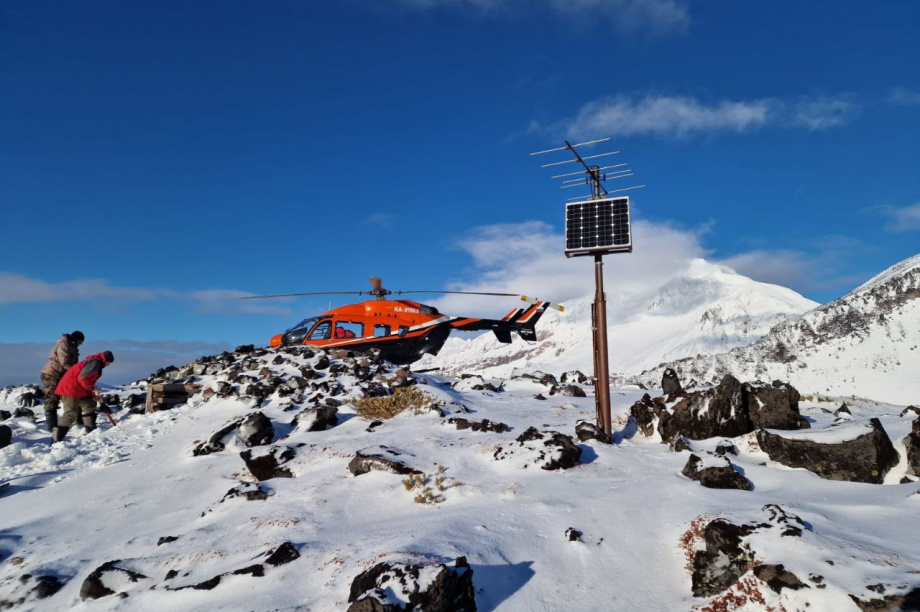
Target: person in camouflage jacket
64,355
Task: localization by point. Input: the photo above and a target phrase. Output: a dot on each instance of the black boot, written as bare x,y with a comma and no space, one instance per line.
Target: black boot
51,419
89,422
58,434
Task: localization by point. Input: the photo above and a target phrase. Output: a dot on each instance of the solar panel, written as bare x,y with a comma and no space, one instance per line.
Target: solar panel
597,226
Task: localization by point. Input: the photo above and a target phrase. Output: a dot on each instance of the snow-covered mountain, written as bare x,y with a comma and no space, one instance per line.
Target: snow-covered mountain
866,343
708,309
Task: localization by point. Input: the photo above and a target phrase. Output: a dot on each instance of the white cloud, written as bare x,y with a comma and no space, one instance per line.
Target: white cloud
904,97
901,219
528,258
655,16
823,113
21,363
19,289
684,116
381,219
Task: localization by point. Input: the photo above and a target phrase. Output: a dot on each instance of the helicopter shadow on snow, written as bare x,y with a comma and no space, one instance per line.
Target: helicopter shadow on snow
496,583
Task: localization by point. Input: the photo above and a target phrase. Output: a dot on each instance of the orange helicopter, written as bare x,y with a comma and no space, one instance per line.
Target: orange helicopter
403,330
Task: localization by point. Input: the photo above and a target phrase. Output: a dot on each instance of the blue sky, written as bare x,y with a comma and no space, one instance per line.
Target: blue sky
157,158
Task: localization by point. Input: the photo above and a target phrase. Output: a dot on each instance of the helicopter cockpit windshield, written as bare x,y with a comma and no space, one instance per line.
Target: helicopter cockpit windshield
296,334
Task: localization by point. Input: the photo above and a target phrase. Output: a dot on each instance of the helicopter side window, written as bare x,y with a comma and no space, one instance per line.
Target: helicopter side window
347,329
381,331
403,330
321,331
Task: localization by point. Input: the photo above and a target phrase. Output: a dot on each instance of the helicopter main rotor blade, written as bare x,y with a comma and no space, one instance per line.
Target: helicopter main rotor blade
280,295
461,292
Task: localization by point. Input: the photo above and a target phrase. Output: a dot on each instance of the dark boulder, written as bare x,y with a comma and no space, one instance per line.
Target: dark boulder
541,377
844,409
778,578
265,464
575,376
317,418
379,459
727,410
450,589
570,391
244,349
717,473
724,560
322,362
866,457
256,430
585,430
550,450
913,448
5,414
248,490
27,413
6,435
46,586
484,425
94,587
670,383
905,602
134,403
217,441
282,555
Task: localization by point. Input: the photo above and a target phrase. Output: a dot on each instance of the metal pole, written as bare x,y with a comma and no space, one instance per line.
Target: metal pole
602,372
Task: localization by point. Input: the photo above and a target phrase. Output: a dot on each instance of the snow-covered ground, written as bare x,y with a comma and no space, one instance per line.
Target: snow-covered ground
114,493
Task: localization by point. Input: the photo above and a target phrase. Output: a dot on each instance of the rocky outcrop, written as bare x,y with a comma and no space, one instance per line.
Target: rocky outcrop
6,435
94,587
857,453
317,418
380,459
549,450
891,603
715,473
727,410
256,430
670,383
723,561
484,425
265,464
585,430
441,588
913,448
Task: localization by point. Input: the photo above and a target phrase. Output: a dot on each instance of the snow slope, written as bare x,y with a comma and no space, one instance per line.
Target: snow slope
867,343
114,493
709,309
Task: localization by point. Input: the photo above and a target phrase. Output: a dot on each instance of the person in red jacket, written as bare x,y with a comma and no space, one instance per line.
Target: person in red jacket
79,395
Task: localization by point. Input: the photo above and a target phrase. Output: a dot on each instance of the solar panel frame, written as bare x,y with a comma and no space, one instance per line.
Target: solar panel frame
598,227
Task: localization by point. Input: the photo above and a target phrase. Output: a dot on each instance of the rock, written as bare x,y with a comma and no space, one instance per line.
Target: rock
5,414
777,578
585,430
910,409
571,391
318,418
844,409
891,603
573,535
574,376
865,457
134,403
912,442
166,540
256,430
46,586
247,490
726,447
670,383
728,410
267,463
379,459
6,435
438,588
725,559
94,587
541,377
716,473
322,362
244,349
679,444
484,425
216,442
282,555
550,450
24,413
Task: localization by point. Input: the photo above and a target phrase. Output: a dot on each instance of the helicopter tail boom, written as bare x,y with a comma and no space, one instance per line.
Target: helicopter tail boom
523,321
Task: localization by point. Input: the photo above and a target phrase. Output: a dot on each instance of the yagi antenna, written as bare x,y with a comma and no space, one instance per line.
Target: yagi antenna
594,176
572,161
570,146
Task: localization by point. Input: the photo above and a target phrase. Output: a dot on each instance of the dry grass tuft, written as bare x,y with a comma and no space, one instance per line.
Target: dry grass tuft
403,398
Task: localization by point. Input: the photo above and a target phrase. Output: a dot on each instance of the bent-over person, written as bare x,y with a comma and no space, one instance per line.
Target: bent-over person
79,395
64,355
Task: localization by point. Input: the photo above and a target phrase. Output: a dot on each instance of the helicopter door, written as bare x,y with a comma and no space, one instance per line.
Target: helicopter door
320,332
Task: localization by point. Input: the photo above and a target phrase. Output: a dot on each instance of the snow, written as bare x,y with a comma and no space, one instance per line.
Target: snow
708,309
112,494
